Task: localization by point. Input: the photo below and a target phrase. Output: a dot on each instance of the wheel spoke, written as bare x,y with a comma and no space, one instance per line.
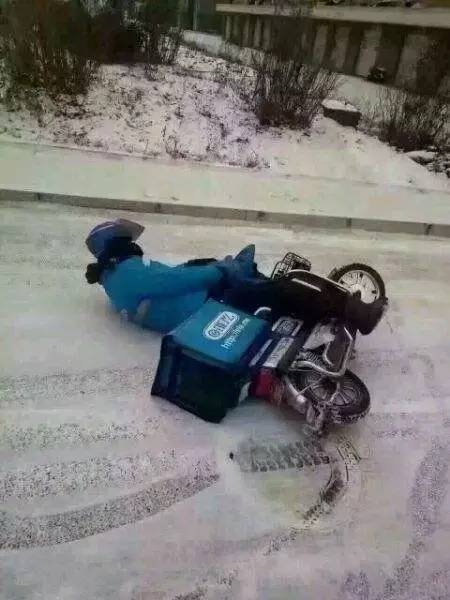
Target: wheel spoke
350,398
346,394
362,281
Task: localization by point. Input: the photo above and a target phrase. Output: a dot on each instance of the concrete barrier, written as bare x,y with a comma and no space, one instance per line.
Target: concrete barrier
352,40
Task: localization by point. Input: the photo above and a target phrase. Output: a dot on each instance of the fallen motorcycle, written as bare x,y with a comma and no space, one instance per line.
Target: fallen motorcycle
223,354
307,366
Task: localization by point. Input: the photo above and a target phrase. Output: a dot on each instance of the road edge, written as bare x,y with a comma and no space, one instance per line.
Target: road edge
167,207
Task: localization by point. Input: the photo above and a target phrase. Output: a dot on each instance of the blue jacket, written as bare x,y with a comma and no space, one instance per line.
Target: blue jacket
158,296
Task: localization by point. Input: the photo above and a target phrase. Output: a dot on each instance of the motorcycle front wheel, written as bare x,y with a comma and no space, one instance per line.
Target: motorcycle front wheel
351,397
361,278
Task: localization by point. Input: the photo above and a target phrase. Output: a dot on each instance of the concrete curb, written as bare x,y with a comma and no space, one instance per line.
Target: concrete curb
109,181
232,213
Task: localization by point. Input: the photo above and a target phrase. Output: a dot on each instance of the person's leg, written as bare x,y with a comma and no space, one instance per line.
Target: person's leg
286,298
199,262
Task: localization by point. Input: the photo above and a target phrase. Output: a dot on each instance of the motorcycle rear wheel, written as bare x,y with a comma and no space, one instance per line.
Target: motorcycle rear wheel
358,277
352,400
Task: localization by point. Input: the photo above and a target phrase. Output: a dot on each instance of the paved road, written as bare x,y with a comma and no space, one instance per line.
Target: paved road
107,493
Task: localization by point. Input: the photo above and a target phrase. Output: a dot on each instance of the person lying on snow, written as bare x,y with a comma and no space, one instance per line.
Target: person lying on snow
160,297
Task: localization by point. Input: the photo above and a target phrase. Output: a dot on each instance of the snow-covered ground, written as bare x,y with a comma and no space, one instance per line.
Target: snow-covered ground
192,111
107,493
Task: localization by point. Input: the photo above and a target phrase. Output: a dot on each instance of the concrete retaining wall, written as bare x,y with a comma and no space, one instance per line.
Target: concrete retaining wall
351,47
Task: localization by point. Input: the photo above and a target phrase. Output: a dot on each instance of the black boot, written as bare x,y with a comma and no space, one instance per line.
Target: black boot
362,316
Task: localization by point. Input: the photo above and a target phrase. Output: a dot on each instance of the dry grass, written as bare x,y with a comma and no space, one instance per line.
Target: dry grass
47,44
411,121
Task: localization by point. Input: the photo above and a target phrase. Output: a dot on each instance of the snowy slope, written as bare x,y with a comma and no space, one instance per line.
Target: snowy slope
192,111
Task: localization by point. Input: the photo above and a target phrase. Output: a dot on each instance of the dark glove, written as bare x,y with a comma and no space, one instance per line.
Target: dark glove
234,272
93,272
240,269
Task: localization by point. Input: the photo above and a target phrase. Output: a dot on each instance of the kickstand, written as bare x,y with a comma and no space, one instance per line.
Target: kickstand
316,419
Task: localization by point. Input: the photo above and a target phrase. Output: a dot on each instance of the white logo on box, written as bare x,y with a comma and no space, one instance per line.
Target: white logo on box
220,326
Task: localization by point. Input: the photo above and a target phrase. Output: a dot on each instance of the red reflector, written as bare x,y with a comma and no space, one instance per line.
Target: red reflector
263,384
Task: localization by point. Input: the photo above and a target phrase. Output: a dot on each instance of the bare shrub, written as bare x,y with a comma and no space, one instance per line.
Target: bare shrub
153,35
114,39
173,148
290,93
162,32
411,121
47,44
433,67
221,76
288,89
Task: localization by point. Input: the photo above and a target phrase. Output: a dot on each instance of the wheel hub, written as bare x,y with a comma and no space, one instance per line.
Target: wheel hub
362,282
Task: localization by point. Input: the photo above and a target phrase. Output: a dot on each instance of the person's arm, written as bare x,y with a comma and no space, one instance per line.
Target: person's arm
153,283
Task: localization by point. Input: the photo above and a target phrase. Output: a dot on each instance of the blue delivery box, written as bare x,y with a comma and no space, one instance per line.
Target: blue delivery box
204,365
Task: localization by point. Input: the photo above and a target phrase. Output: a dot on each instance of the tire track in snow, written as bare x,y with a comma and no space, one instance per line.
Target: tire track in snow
18,531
